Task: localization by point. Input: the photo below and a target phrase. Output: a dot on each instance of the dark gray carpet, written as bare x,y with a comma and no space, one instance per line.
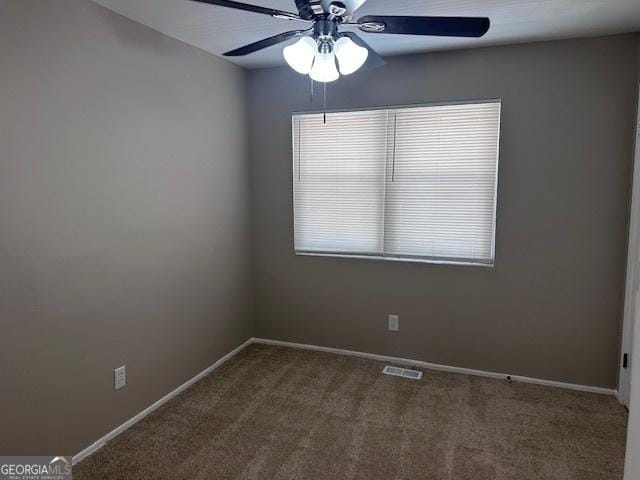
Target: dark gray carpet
280,413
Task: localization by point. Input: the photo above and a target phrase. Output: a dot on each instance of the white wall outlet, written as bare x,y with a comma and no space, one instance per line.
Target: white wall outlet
394,323
120,377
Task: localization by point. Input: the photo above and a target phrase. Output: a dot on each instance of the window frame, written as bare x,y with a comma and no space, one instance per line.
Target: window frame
404,258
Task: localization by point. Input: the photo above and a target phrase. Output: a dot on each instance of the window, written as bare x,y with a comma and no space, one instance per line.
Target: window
410,183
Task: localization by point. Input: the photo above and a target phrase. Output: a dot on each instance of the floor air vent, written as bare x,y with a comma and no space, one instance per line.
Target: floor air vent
402,372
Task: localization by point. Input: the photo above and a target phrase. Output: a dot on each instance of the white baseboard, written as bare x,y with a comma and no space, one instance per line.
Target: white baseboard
620,399
117,431
442,368
372,356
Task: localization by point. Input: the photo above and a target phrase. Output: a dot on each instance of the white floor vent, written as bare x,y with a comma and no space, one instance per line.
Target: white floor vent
402,372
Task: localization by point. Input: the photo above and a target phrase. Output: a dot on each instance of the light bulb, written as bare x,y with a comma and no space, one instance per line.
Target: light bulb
350,56
300,55
324,66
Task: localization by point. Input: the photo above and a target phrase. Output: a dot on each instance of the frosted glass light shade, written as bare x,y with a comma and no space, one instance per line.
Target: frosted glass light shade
324,68
350,56
300,55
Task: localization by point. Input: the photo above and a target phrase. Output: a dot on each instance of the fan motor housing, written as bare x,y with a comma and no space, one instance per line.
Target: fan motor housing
309,9
325,28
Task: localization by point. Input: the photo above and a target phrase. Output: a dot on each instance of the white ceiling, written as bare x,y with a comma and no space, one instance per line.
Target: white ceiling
218,29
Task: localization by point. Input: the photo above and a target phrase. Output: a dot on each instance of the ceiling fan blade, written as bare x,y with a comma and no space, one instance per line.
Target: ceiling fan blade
264,43
374,60
437,26
252,8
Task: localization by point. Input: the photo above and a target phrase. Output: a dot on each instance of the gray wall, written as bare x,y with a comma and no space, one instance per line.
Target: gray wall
124,219
551,307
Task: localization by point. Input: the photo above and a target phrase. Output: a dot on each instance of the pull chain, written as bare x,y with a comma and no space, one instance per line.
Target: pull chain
324,104
311,98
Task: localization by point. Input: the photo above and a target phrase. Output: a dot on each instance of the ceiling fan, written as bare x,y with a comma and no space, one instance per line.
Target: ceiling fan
324,42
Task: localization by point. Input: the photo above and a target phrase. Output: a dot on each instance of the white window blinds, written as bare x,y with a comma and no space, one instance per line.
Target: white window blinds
405,183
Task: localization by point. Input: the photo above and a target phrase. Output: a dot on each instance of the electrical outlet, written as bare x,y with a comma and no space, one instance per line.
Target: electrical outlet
394,323
120,377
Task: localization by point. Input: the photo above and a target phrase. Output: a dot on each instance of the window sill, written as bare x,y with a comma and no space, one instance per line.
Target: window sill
436,261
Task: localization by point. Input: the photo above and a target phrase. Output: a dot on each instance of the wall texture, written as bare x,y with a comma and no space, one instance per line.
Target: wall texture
551,308
124,219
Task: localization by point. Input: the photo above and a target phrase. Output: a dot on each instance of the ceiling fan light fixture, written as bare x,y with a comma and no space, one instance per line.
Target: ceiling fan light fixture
322,49
324,66
300,55
350,56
